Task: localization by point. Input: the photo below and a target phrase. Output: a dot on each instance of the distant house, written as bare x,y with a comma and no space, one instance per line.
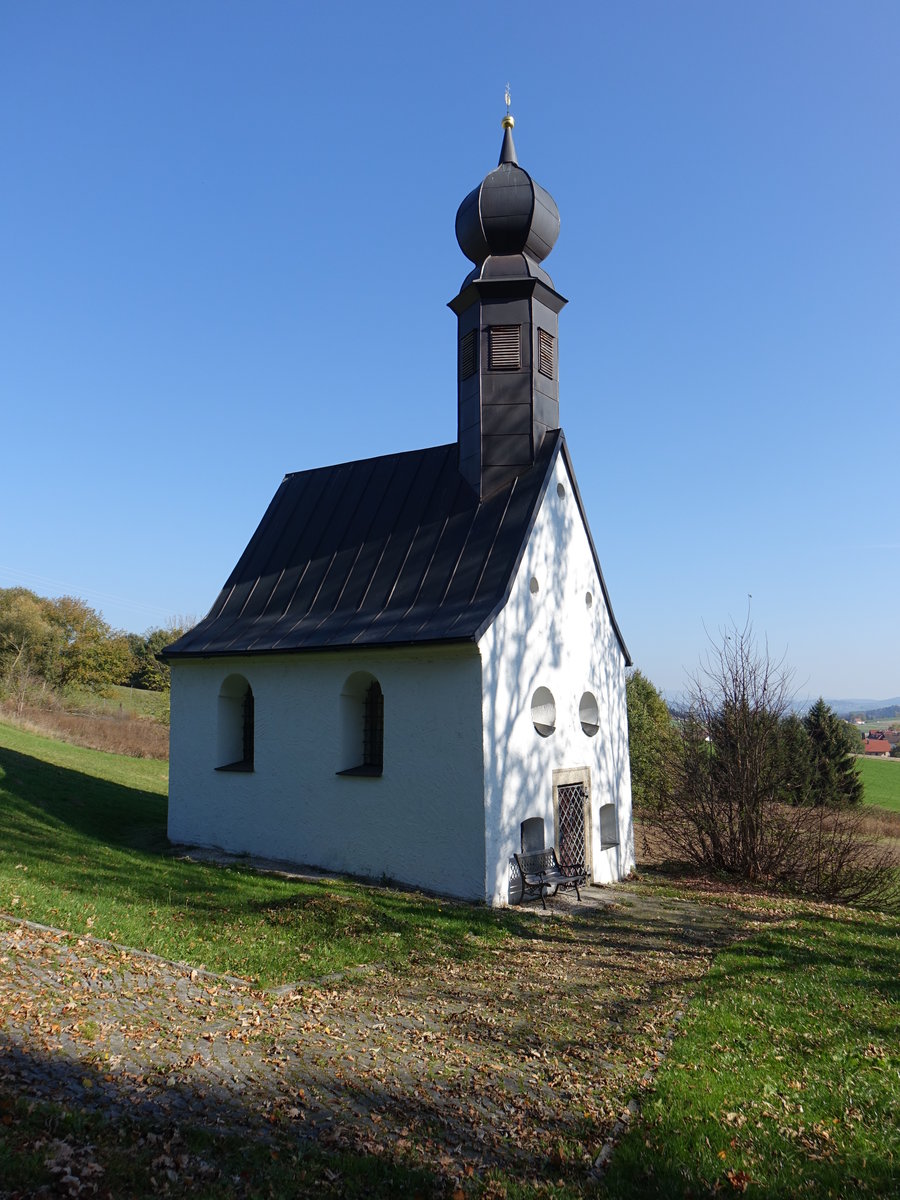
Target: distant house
891,736
416,653
878,747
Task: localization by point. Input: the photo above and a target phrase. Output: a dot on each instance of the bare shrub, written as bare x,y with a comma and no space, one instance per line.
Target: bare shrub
726,808
836,858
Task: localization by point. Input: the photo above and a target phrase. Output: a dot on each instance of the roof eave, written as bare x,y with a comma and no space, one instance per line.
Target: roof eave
399,644
599,569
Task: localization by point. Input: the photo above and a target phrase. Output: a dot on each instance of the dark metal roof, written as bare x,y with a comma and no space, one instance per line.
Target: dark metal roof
386,551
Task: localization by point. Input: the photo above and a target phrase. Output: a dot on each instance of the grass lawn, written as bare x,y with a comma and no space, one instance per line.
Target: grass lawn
881,780
785,1078
83,848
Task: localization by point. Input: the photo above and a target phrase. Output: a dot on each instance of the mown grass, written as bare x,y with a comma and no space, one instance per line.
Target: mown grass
785,1078
881,781
83,847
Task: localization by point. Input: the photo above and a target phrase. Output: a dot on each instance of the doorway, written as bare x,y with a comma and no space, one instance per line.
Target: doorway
572,815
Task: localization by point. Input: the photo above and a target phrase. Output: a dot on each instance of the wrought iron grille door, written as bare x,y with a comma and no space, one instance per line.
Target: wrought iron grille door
571,808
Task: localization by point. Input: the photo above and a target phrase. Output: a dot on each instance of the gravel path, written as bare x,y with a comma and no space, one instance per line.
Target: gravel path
481,1063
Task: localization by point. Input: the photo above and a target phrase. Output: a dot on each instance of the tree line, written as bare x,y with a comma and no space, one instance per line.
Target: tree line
739,784
55,644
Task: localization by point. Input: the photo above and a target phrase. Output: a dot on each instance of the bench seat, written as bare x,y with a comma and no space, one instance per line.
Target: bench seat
543,875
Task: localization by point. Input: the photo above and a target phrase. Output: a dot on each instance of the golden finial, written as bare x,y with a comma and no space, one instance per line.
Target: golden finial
508,121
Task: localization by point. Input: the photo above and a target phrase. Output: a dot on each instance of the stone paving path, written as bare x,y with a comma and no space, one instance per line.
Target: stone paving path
487,1062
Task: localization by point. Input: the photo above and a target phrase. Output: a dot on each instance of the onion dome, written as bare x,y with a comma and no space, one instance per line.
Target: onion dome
508,224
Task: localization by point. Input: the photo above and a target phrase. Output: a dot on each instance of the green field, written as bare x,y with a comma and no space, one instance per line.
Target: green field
881,780
121,701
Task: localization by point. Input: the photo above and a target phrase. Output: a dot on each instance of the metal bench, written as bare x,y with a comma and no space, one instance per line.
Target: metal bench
542,871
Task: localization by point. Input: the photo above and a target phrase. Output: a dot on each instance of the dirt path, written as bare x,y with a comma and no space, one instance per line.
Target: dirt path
491,1062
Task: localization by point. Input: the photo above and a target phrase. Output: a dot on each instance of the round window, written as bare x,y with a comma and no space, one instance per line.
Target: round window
543,711
534,585
589,714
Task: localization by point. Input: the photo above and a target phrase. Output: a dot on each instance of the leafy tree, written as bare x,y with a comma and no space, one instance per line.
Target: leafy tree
835,779
27,646
27,640
651,739
149,672
88,656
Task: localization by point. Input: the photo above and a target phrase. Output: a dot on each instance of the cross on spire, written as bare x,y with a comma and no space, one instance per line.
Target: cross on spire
509,153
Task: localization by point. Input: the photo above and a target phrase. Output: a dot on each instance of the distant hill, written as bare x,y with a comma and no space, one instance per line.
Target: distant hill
889,713
870,710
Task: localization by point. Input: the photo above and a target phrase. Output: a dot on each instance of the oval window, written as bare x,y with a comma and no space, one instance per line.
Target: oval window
543,711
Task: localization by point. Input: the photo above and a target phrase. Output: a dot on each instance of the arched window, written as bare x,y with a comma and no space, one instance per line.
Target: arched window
362,725
236,725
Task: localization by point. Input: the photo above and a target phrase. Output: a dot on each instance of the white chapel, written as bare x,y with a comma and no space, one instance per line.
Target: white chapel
416,653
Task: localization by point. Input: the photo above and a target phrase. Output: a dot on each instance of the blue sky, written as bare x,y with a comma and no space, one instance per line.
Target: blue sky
226,249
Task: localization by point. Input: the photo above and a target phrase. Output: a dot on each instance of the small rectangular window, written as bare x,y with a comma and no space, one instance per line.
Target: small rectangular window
545,353
505,348
467,360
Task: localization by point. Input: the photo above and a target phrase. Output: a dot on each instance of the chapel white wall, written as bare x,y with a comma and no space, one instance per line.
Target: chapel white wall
553,638
421,822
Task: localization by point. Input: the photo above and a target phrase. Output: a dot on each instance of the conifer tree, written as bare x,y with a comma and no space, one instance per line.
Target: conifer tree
835,778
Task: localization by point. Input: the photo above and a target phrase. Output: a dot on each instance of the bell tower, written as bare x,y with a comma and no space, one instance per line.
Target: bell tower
508,318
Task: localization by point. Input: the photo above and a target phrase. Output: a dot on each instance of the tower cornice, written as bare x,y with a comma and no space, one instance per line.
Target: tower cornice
514,288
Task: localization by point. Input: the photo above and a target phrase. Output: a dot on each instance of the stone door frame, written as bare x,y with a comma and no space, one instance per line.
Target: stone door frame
566,776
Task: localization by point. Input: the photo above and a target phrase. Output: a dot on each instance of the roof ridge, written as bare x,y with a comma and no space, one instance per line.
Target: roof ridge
353,462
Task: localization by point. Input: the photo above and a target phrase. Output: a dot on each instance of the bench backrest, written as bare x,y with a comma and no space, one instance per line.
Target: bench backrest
536,862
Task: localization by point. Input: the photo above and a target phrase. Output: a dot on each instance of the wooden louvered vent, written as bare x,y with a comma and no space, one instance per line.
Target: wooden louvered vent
505,348
467,360
545,353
